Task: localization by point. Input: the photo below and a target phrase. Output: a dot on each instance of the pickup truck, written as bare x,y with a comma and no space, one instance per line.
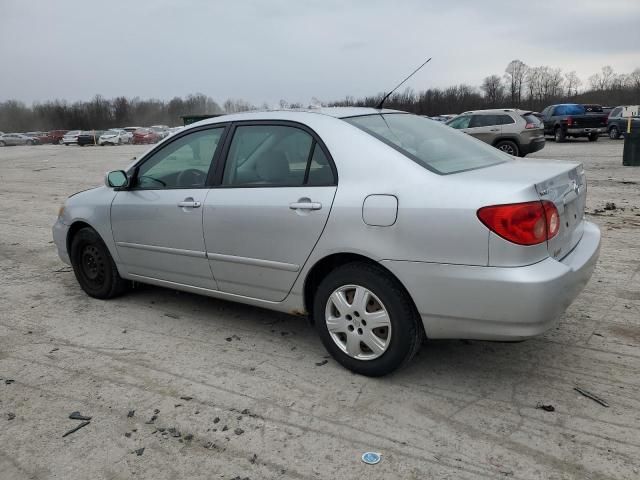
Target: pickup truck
573,120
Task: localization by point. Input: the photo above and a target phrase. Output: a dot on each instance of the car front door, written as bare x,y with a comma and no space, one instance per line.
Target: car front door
263,220
157,223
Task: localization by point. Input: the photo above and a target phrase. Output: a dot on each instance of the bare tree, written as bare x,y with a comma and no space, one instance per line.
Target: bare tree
603,80
515,74
493,89
572,82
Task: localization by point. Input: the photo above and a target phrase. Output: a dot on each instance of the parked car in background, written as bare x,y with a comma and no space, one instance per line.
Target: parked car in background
131,130
617,124
13,139
89,137
145,135
516,132
328,212
174,130
40,137
439,118
57,135
115,136
162,130
573,120
71,137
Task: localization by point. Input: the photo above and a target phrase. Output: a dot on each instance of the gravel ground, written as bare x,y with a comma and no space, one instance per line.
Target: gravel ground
211,389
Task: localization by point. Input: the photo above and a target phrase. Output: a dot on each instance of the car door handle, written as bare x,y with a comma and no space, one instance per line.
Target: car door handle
305,206
494,130
191,204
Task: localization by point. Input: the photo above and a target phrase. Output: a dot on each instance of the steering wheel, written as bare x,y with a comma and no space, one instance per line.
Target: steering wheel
191,177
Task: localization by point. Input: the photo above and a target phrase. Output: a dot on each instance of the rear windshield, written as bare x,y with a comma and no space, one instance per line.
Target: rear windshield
593,108
531,118
433,145
569,110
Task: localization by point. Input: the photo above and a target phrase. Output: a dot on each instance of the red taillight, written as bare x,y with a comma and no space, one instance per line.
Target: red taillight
530,125
528,223
569,121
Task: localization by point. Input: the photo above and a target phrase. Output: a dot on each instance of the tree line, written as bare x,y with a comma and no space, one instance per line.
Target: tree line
519,86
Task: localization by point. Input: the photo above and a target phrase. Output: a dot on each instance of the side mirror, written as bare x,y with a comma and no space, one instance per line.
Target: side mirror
116,179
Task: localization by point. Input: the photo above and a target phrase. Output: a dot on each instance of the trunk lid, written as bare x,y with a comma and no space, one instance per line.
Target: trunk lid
568,191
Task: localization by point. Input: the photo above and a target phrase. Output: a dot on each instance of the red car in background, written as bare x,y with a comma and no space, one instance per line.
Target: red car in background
145,135
55,136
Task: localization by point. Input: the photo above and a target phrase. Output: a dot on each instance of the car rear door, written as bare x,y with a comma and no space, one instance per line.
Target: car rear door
271,205
157,224
484,127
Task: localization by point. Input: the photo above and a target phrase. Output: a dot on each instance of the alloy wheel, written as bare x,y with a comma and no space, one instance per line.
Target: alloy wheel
507,148
358,322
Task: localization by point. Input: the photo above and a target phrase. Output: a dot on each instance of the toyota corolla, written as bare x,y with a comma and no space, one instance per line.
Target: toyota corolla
382,226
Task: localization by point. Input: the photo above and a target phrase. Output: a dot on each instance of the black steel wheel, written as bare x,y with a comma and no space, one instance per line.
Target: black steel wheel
93,265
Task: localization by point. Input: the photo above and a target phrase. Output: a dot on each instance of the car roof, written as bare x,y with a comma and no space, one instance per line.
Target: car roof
497,110
293,114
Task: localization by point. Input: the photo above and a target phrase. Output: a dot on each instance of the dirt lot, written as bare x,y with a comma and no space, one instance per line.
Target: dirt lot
240,392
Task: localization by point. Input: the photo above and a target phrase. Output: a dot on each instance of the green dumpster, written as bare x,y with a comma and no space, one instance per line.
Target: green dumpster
189,119
631,152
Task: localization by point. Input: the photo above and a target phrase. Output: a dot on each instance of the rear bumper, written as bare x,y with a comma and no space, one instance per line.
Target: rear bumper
533,146
498,303
583,132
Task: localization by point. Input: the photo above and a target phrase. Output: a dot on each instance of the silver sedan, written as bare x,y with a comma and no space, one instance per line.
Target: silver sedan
382,226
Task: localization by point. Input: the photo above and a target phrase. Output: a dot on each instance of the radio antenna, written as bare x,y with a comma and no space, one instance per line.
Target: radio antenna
384,99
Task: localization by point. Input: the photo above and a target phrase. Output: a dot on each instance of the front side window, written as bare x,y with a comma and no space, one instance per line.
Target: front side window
460,122
275,155
432,145
183,163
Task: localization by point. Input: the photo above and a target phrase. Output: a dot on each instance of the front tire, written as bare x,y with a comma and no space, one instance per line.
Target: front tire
366,320
614,133
509,147
593,137
94,267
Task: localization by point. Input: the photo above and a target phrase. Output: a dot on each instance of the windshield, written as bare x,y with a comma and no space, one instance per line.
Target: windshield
431,144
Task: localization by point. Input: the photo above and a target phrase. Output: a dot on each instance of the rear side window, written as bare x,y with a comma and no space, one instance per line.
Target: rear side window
483,121
430,144
275,155
504,120
616,112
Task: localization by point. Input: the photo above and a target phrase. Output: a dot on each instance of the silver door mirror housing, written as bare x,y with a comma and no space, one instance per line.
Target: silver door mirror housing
116,179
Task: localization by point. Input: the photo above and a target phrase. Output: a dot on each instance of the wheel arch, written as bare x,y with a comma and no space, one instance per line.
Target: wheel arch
329,263
511,138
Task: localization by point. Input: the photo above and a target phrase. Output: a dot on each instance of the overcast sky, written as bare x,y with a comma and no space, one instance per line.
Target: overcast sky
297,49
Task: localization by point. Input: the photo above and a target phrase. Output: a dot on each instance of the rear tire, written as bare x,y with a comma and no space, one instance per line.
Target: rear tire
559,135
509,147
593,137
94,267
614,133
372,295
2,144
